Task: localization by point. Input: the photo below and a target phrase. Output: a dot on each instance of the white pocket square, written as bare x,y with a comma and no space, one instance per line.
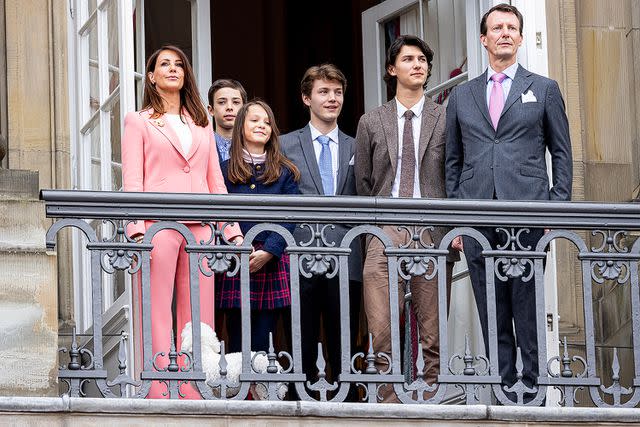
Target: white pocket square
529,97
352,161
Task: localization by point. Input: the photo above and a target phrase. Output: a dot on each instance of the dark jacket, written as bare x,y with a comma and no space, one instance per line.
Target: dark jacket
297,146
273,242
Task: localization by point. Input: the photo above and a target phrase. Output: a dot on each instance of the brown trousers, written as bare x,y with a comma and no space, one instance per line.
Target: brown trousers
424,298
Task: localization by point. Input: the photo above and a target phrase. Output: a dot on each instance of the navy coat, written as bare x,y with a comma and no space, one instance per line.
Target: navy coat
273,242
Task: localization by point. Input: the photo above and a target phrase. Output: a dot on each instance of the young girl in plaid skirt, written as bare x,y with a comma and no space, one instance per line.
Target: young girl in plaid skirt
256,166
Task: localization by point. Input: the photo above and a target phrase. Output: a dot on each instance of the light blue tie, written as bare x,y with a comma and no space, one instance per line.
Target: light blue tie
325,165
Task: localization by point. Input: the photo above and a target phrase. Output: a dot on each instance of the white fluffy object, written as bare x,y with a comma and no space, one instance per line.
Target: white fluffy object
210,347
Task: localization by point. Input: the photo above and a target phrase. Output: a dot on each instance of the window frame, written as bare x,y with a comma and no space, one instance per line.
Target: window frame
128,93
4,130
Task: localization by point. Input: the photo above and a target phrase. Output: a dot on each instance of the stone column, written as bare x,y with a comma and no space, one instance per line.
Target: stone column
594,53
38,157
3,148
28,291
38,109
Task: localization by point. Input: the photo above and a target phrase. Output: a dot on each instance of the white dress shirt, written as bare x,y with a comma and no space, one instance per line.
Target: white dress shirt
510,71
182,130
333,147
416,123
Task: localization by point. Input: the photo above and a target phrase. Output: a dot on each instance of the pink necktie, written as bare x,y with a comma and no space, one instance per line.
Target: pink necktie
496,98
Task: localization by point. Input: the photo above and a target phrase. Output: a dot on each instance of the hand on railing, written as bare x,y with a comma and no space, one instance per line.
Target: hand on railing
456,244
238,240
258,259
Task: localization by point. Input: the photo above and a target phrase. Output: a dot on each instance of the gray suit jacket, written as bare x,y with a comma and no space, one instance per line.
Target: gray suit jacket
297,146
508,162
377,153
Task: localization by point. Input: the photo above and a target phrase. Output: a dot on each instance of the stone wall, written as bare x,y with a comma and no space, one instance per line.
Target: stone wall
38,109
594,53
28,291
38,156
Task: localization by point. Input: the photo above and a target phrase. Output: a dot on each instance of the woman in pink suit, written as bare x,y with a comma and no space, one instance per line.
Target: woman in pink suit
169,146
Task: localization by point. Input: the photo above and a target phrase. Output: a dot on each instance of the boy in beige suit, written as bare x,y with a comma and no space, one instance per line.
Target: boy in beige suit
400,153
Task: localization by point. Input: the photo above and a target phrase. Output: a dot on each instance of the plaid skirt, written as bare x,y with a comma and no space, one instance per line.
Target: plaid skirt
269,286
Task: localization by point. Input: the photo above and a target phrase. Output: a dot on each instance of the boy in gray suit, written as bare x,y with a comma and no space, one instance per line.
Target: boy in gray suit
498,127
400,153
324,156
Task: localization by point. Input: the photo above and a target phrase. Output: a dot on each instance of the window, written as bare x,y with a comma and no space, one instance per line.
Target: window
443,24
102,76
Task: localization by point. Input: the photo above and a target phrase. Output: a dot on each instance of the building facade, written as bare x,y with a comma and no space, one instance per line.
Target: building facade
68,85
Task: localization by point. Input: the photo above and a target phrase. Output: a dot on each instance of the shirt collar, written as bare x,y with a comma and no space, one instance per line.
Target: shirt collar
332,134
510,71
417,108
222,139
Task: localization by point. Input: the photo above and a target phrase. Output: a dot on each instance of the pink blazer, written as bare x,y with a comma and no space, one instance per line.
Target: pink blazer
153,160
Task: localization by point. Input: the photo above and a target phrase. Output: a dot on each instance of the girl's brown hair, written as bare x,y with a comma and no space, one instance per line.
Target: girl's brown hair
240,171
189,96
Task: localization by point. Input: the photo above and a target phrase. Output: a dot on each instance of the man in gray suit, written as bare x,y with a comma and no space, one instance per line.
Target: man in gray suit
498,127
400,153
324,154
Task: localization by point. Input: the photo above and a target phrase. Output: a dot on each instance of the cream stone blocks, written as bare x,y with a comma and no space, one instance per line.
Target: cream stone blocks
28,302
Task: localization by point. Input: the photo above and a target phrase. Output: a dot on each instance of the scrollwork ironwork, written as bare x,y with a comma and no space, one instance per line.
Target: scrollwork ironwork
417,236
514,267
519,388
417,266
616,390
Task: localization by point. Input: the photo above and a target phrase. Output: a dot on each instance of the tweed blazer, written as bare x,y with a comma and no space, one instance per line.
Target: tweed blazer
376,154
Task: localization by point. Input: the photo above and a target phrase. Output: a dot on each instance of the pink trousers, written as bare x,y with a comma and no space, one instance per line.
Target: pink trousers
169,266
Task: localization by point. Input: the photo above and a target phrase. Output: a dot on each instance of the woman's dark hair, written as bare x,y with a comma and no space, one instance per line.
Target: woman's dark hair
239,171
394,51
189,96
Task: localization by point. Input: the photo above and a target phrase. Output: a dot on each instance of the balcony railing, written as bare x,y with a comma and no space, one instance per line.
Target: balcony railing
599,235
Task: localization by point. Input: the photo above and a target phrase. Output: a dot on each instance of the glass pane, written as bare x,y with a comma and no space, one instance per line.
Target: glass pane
96,156
115,131
119,285
112,45
138,56
95,175
94,82
116,177
139,92
92,6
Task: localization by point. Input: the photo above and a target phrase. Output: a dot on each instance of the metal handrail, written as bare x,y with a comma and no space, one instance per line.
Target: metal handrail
452,82
339,209
604,255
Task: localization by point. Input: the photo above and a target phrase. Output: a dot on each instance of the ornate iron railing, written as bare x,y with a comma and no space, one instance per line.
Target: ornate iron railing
579,224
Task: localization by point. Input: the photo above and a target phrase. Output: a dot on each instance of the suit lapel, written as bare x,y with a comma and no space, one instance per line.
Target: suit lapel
195,137
429,119
479,92
163,126
522,80
310,157
389,118
344,156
